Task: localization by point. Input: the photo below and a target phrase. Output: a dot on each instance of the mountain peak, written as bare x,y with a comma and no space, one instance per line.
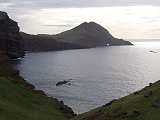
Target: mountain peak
90,34
89,25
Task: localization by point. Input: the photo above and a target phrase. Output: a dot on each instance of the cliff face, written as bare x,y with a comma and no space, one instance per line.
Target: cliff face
10,39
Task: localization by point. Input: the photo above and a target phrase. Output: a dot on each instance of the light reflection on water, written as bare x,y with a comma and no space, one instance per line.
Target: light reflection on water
99,74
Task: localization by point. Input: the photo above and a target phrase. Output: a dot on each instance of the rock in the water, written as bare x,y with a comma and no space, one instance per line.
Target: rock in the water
153,51
63,82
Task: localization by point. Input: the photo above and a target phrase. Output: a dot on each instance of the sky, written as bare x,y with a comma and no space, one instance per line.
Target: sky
123,18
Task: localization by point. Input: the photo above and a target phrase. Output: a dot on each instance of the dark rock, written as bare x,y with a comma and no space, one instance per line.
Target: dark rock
65,109
153,51
10,39
110,103
61,102
63,82
136,93
150,84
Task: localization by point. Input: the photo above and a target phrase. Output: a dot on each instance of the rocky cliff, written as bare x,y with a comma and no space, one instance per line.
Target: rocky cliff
86,35
10,39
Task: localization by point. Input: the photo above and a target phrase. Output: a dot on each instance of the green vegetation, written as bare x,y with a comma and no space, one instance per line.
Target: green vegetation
20,102
141,105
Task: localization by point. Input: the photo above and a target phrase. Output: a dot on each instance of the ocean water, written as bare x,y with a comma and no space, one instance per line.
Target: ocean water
98,75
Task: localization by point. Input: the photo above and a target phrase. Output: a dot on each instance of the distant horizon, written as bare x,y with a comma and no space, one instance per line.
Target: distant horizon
143,40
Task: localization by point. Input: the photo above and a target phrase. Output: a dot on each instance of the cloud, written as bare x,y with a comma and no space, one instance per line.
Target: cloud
54,25
123,18
34,4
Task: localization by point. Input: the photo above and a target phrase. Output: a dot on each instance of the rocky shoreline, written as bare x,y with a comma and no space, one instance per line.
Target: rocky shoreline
64,108
136,106
17,79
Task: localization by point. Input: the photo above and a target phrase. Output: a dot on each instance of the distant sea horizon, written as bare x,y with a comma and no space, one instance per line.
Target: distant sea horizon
143,40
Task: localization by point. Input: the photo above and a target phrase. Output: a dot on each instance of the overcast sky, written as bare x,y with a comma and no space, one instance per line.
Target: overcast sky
76,3
124,18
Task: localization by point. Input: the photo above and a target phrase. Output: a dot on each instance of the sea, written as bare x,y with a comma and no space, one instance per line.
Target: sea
96,76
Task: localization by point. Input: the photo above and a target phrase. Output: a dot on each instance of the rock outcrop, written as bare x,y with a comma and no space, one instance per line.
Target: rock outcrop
10,39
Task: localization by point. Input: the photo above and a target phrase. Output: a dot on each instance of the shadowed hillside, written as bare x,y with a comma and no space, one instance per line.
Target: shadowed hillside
86,35
90,35
36,43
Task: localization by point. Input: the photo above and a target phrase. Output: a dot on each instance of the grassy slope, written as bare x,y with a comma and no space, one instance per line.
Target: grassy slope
19,103
137,106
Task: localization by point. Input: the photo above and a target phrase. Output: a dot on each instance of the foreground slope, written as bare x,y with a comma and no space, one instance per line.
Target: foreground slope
19,100
141,105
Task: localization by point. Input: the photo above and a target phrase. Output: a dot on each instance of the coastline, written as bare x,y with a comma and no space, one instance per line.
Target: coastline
147,100
9,74
140,105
